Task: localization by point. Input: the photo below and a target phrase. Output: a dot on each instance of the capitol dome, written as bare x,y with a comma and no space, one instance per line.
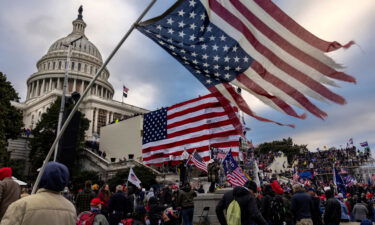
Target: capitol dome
84,63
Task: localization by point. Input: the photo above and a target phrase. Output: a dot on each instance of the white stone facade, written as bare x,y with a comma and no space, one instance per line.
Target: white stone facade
45,85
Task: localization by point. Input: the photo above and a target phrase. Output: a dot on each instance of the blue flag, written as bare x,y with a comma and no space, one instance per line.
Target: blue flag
338,181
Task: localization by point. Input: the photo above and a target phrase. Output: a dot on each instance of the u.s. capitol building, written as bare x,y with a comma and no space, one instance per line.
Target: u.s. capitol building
45,85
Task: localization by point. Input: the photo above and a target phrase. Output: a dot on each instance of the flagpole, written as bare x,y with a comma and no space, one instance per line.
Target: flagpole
65,125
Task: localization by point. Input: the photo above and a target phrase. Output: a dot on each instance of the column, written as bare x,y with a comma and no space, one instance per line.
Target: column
58,83
50,84
42,88
96,120
111,117
37,88
33,89
74,85
107,117
82,88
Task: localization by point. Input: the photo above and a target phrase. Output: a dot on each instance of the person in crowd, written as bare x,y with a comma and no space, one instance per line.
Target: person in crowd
155,211
265,202
104,196
332,211
149,194
94,216
200,189
186,204
166,196
360,211
132,198
47,206
245,196
68,195
315,207
84,198
95,189
301,206
118,207
344,210
10,191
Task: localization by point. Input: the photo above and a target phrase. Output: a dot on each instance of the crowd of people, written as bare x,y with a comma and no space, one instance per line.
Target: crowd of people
322,161
270,204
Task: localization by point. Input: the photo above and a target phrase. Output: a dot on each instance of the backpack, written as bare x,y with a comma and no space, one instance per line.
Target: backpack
86,218
233,216
278,210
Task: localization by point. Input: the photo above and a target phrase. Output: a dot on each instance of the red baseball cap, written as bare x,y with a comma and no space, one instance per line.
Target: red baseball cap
96,201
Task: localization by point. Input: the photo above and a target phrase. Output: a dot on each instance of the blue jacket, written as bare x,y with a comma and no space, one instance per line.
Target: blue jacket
344,211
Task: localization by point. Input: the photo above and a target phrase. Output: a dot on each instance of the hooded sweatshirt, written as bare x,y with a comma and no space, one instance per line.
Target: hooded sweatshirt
10,191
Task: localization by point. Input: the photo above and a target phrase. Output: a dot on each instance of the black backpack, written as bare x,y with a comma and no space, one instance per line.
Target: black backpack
278,210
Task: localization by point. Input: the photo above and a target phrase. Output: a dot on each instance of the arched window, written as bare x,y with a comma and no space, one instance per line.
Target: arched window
90,69
72,66
79,66
54,65
49,65
85,70
59,65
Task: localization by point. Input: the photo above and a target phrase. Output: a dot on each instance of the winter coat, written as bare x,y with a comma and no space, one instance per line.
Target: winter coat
186,198
83,200
332,212
250,213
10,191
301,206
315,211
360,211
45,207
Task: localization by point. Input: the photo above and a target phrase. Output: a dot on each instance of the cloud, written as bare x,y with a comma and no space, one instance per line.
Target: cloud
155,79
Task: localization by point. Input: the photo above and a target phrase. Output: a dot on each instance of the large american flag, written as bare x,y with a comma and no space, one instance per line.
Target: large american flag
192,125
253,45
233,172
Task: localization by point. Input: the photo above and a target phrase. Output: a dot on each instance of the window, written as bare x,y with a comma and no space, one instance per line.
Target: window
72,66
59,65
79,66
49,65
54,65
90,69
102,119
85,70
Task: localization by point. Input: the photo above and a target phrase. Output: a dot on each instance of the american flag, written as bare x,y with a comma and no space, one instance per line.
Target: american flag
125,91
192,125
198,161
253,45
233,172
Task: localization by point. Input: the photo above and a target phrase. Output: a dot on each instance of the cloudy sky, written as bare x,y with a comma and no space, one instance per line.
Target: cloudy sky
155,79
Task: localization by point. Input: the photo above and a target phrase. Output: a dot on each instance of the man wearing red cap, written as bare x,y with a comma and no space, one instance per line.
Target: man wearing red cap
94,216
10,191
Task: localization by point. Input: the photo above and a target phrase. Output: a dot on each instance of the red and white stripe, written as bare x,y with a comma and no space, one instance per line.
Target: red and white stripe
290,63
236,178
193,125
199,164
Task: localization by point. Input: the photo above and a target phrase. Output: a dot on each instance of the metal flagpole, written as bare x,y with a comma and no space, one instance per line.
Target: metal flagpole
63,128
62,105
